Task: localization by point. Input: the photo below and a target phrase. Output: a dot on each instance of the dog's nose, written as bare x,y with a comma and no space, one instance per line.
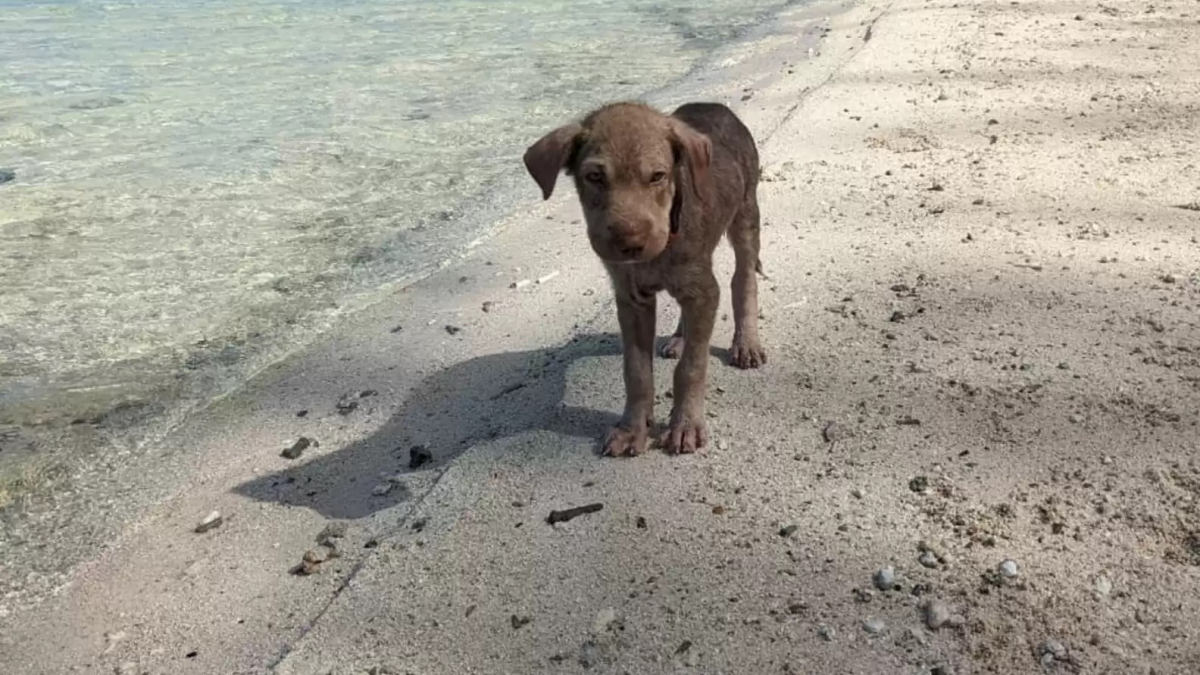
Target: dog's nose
632,251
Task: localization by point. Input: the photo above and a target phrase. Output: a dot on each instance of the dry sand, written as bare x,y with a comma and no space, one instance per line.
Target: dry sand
981,237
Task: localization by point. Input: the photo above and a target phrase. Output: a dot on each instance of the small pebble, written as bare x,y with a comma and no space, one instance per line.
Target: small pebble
294,450
722,444
1051,651
1103,586
928,559
418,456
827,633
382,489
332,531
788,531
937,614
1009,569
211,522
885,579
874,626
834,432
7,176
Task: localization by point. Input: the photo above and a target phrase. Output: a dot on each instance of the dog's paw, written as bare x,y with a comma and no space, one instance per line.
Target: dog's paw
672,348
684,436
622,442
747,354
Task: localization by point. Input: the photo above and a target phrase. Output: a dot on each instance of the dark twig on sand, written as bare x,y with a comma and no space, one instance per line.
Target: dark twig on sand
565,515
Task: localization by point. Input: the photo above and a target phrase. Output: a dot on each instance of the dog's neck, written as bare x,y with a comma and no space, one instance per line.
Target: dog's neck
676,214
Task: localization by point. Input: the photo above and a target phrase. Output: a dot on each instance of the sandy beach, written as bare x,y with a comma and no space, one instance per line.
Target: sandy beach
973,449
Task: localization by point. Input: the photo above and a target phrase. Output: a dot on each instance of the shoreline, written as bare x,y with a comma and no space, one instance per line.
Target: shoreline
980,313
109,456
48,432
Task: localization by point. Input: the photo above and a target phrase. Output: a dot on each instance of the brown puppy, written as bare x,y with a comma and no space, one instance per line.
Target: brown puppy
658,192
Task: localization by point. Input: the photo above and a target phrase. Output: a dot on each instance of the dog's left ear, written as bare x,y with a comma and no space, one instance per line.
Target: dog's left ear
550,155
696,150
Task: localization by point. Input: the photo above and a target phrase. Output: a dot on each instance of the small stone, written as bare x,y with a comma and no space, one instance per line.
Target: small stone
857,493
834,432
418,456
316,556
788,531
382,489
937,614
919,484
297,448
1103,586
1009,569
885,579
1052,650
863,595
332,531
1075,418
718,510
722,444
211,522
487,306
311,562
874,626
928,559
7,176
519,622
827,633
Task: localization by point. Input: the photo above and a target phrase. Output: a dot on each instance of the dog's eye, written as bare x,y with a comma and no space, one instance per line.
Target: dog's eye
596,177
658,177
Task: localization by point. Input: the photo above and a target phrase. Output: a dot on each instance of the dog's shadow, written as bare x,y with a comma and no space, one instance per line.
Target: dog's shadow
481,399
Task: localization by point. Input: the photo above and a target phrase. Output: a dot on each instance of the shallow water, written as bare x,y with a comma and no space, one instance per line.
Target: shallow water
191,179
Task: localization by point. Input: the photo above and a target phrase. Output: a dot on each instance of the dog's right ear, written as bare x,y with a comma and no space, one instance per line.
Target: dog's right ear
550,155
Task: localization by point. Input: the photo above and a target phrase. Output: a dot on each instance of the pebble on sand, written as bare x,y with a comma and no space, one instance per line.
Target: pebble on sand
211,522
885,579
1051,651
937,614
297,448
874,626
1009,569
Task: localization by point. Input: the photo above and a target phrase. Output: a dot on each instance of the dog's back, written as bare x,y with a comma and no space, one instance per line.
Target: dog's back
728,135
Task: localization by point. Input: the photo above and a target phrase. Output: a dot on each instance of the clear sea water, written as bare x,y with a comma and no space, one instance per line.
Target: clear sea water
187,179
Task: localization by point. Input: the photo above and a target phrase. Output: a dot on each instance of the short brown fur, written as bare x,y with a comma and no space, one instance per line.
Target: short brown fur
658,192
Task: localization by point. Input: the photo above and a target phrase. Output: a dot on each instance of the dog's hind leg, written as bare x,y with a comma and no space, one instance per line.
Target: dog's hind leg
747,351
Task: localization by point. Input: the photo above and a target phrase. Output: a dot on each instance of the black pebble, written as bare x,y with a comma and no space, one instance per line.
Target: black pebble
418,456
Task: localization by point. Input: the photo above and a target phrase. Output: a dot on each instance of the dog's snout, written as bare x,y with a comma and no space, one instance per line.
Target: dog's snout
632,251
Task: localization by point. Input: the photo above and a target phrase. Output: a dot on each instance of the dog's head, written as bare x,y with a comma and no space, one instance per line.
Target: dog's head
631,166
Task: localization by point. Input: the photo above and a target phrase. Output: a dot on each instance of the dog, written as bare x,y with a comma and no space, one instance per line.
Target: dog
658,192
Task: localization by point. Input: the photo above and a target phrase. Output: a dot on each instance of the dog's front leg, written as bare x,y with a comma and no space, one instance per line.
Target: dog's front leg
636,314
698,299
